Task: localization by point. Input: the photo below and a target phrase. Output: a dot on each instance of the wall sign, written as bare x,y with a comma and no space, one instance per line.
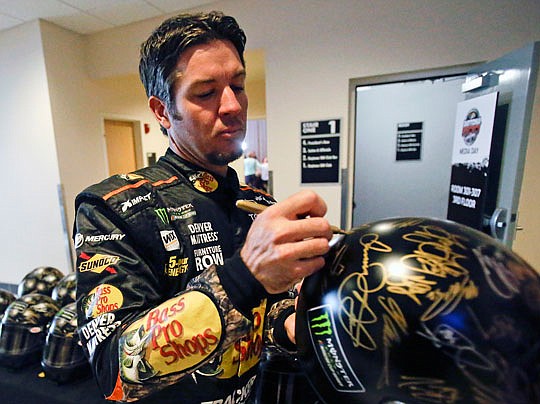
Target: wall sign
470,159
409,141
319,145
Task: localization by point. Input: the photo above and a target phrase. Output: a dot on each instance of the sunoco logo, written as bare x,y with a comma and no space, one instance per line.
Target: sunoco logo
98,263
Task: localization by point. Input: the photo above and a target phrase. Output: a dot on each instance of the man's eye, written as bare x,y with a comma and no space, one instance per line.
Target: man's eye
237,89
206,94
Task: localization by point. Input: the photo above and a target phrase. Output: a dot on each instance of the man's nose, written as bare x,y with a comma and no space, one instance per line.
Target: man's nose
230,103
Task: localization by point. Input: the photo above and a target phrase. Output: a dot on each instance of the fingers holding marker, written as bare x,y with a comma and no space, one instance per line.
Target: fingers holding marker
287,241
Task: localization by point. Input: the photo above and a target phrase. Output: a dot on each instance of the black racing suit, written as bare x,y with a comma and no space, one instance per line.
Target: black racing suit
163,297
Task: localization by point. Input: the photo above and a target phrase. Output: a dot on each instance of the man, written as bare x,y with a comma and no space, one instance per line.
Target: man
177,287
251,168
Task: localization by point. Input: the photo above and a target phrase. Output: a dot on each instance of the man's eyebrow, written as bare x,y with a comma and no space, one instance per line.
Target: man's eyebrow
240,74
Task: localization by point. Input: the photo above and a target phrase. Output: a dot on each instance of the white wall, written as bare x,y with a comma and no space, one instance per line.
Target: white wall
32,233
75,102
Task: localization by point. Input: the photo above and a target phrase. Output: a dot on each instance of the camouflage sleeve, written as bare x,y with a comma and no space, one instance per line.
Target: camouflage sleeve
198,330
275,335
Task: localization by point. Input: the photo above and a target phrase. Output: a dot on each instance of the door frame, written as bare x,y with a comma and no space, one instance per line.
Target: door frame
137,137
348,173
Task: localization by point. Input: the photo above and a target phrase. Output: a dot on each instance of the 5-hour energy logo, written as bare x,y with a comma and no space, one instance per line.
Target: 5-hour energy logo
176,266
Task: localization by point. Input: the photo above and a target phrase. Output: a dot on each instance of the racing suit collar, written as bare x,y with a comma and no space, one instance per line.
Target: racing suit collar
228,184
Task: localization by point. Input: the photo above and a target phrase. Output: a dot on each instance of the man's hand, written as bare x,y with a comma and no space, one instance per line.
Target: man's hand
287,241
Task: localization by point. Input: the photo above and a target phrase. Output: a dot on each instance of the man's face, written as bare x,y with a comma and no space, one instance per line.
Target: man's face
209,123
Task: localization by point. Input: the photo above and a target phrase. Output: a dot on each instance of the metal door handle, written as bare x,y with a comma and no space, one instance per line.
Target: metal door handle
497,223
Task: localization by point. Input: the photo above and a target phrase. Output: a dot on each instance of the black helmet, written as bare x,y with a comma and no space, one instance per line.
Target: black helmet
65,290
418,310
40,280
6,297
63,358
23,329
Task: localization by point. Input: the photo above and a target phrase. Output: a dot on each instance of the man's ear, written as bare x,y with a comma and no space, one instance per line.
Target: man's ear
160,111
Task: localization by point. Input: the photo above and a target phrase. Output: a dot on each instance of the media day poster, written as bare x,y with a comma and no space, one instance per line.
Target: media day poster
470,159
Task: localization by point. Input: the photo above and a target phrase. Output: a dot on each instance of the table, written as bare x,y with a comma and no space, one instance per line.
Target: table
25,386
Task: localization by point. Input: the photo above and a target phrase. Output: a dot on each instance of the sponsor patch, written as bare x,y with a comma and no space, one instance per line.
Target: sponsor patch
176,266
245,353
98,263
80,239
207,256
135,201
98,330
169,240
102,299
182,212
175,336
237,396
328,349
162,214
203,181
202,233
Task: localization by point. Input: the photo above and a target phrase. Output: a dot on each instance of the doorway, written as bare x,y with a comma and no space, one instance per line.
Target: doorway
123,146
420,107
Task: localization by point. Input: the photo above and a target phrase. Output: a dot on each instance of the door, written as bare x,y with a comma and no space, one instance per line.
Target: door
513,77
120,141
403,133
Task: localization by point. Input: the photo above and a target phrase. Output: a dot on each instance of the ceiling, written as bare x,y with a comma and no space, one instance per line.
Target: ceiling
88,16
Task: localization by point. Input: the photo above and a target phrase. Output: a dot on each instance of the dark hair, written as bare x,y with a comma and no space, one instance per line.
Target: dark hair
160,52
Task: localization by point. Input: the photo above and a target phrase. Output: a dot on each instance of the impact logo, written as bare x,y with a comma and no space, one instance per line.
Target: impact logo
132,202
203,181
471,126
98,263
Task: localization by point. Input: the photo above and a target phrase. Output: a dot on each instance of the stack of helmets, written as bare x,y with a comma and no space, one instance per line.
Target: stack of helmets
6,297
40,280
63,358
23,329
26,319
65,290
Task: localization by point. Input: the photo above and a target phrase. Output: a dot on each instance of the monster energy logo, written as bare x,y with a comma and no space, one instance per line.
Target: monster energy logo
321,325
329,351
162,214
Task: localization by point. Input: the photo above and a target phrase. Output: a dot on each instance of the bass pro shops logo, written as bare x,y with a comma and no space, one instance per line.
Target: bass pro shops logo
203,181
98,263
